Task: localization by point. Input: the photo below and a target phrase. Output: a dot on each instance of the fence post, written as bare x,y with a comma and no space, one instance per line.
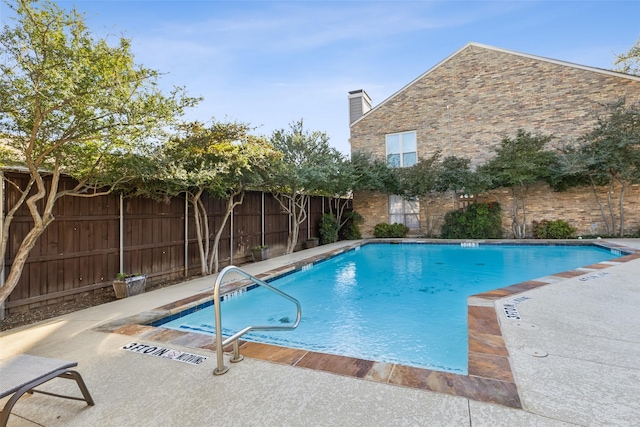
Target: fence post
121,233
2,228
309,218
231,235
262,223
186,235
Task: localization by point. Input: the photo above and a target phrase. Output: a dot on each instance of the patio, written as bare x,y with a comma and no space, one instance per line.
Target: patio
574,356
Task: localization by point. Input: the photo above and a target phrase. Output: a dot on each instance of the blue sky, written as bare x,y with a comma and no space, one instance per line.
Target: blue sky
269,63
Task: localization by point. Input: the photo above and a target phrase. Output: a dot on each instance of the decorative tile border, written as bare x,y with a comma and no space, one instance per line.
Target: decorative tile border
489,376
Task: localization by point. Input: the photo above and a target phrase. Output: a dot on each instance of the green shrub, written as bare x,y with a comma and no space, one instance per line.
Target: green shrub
351,230
558,229
477,221
390,230
328,229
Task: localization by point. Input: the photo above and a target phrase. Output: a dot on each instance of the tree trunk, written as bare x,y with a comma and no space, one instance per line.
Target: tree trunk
603,214
515,214
40,220
303,202
297,212
202,227
293,237
8,219
40,223
524,213
621,207
296,207
214,261
204,214
519,197
612,214
21,258
342,205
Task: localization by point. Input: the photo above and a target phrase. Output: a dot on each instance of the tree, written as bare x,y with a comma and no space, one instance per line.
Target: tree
419,182
432,176
610,155
222,159
358,173
372,174
338,190
576,166
629,62
420,179
70,105
307,165
456,175
519,163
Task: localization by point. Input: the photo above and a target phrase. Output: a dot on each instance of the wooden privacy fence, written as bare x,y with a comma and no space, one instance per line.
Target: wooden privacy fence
93,239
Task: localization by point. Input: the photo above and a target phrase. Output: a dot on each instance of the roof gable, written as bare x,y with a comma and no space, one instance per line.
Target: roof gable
506,51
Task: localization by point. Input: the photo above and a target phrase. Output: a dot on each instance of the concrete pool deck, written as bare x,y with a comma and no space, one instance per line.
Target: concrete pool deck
573,354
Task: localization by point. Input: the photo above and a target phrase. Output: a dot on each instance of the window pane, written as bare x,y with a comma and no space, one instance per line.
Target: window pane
393,143
393,160
396,218
409,159
412,221
412,206
396,204
409,142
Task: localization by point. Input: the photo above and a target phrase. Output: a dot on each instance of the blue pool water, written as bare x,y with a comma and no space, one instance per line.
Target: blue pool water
396,303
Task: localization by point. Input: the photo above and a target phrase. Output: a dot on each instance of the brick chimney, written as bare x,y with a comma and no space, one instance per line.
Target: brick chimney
359,104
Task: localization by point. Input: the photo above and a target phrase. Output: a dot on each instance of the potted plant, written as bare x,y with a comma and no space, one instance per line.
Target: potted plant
260,253
311,242
127,285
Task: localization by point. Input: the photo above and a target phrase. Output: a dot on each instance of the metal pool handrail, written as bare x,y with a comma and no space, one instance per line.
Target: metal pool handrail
237,357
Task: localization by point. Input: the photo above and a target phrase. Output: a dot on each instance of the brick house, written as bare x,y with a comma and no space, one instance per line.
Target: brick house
464,106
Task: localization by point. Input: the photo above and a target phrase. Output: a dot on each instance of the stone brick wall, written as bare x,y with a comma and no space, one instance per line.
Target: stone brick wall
491,94
374,208
579,207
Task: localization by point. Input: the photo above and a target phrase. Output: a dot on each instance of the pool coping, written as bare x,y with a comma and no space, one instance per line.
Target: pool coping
489,377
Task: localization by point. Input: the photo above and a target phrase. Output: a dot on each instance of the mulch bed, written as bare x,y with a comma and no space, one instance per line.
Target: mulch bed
82,301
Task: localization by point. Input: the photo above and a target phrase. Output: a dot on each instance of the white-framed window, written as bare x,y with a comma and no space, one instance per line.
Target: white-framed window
404,211
401,149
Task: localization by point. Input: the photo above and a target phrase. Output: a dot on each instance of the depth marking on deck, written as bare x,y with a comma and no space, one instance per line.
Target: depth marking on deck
167,353
593,276
510,309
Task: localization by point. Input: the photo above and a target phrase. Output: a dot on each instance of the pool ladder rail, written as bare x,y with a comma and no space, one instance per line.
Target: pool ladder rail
237,357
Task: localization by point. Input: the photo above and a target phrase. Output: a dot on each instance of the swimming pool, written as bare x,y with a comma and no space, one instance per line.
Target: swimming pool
404,304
